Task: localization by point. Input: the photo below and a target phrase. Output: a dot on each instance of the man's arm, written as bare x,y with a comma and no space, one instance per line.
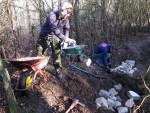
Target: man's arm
53,23
67,28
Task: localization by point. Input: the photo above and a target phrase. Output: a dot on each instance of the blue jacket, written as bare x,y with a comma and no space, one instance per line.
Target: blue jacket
103,48
55,25
101,53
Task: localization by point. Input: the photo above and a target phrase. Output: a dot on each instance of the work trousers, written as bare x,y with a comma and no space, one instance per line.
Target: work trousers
54,42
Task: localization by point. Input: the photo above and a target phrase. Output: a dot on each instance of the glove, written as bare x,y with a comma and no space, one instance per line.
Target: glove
71,42
64,45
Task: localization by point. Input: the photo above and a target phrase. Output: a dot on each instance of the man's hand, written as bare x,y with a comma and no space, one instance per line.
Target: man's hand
71,42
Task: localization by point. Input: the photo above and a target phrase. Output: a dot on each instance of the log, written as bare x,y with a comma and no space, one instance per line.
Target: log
12,104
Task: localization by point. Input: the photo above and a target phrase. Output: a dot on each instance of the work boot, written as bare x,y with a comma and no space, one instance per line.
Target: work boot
59,74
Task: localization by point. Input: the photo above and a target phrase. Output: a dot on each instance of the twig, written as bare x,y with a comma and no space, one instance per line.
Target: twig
146,85
75,102
141,103
144,97
148,70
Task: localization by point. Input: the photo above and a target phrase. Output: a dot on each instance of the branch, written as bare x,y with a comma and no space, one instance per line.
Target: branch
135,111
138,107
75,102
146,85
148,70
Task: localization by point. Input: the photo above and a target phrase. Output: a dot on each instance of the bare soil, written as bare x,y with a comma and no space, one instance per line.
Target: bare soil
56,96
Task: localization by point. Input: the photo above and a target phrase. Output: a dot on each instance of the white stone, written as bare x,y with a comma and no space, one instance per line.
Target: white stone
111,103
104,93
130,62
101,102
118,87
118,104
133,95
113,98
113,92
126,67
86,60
119,99
129,103
131,72
111,109
122,110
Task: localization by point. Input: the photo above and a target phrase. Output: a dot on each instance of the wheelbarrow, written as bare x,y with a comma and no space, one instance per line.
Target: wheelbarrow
28,68
73,52
77,52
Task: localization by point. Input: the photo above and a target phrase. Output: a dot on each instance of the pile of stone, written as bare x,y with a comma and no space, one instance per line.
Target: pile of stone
127,67
110,99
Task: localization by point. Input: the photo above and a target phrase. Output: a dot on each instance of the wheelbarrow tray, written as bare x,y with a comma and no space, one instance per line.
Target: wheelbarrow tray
78,49
29,62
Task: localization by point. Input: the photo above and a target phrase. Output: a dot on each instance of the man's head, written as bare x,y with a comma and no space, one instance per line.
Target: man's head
67,9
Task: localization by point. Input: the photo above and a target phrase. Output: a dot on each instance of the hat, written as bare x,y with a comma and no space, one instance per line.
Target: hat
67,5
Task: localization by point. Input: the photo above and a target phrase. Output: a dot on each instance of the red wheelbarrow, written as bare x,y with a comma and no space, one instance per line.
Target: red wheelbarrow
28,68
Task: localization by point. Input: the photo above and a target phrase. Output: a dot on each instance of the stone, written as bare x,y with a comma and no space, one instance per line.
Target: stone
113,98
118,87
111,109
133,95
119,99
101,102
86,60
111,103
122,110
126,67
113,92
130,62
131,72
118,104
104,93
129,103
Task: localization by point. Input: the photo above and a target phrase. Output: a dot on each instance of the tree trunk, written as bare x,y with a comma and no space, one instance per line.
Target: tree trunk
76,21
12,104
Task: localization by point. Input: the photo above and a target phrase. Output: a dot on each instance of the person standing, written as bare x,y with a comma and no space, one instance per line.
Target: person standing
53,32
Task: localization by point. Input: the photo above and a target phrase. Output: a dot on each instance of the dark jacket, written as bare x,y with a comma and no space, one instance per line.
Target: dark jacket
102,51
103,48
55,25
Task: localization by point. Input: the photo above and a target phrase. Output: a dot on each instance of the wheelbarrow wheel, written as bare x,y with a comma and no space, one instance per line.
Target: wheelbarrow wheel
28,81
22,82
25,82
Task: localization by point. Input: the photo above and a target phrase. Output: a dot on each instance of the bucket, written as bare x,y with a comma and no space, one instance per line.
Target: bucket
86,60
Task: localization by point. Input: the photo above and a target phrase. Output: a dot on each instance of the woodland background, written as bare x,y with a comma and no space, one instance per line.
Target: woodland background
92,20
123,23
